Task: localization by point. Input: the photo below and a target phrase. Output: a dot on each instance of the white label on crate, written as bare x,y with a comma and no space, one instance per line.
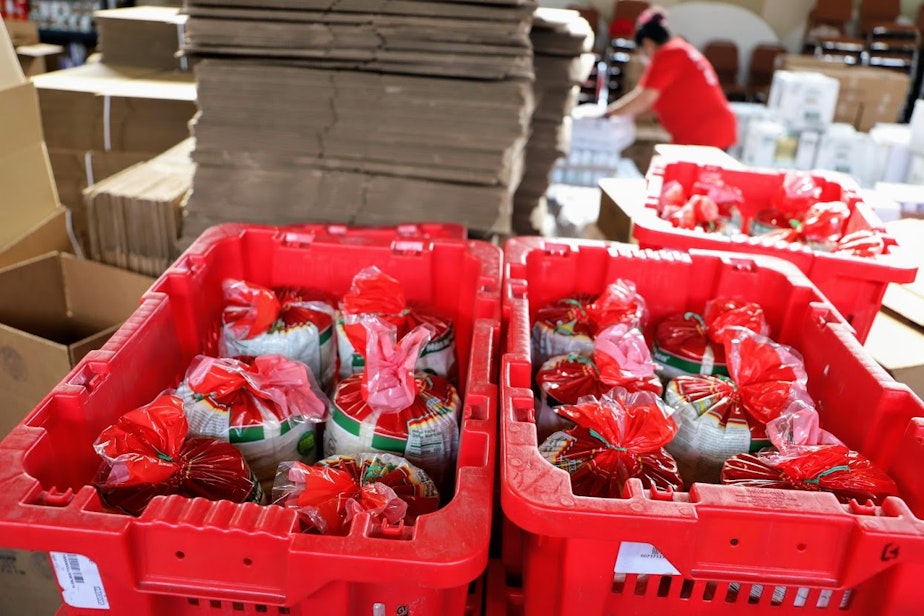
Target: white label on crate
81,585
642,558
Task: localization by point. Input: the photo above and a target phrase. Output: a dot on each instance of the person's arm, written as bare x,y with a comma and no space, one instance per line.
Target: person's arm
634,103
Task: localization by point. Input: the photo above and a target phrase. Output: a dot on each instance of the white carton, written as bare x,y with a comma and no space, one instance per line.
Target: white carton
803,100
760,147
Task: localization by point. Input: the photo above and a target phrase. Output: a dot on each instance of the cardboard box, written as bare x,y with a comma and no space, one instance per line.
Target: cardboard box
866,95
760,146
803,100
22,32
109,108
142,36
54,309
618,199
27,584
33,222
896,339
39,58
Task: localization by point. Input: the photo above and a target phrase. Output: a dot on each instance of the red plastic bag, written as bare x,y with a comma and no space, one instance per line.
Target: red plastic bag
693,344
329,495
719,417
726,197
864,243
808,458
147,453
267,408
374,293
798,192
824,223
616,438
699,211
672,194
570,324
820,229
297,324
392,408
822,468
620,359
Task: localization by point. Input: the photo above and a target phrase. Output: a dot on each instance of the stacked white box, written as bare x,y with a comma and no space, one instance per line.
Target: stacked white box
803,100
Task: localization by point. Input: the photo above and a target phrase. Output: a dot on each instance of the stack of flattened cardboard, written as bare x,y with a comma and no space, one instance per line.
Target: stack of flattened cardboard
562,40
33,221
142,36
135,215
359,111
99,119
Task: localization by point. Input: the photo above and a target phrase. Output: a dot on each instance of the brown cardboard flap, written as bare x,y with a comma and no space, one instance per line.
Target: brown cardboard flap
30,366
22,126
27,582
99,296
79,349
10,72
48,236
32,296
29,195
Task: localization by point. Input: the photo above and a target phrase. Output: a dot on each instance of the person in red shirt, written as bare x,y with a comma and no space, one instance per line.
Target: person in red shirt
680,86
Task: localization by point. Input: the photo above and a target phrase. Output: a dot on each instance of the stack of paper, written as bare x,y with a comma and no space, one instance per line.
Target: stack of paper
359,111
135,215
562,40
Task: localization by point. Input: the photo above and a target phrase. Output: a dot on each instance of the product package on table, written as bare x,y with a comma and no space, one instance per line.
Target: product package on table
222,425
700,430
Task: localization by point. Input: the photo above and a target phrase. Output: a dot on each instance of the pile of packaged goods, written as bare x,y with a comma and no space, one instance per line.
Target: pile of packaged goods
712,399
797,212
246,426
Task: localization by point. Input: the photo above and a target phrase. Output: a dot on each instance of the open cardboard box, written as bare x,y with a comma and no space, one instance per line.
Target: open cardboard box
55,309
33,221
896,339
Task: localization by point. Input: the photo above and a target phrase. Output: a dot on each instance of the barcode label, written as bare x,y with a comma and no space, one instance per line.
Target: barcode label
73,563
80,582
640,558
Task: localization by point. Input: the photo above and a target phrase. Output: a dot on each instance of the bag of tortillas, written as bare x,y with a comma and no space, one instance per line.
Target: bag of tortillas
374,293
297,324
268,408
392,408
569,325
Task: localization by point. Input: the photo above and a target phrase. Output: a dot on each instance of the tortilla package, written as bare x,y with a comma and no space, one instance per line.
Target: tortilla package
620,359
267,409
709,206
720,417
616,438
807,458
374,293
148,453
330,494
695,344
294,323
390,408
821,228
570,324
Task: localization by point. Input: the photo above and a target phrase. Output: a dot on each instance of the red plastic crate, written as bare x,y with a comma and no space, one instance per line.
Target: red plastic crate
721,540
854,285
346,233
186,557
